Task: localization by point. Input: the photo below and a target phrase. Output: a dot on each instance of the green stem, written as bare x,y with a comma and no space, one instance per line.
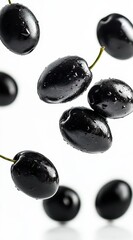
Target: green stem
98,57
9,1
8,159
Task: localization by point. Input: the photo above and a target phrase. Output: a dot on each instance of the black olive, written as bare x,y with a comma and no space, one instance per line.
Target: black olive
19,29
65,79
113,199
115,32
8,89
111,98
34,175
85,130
63,206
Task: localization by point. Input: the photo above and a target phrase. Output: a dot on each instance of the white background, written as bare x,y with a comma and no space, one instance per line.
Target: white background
67,28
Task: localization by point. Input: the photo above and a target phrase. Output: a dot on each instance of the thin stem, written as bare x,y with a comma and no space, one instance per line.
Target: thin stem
8,159
9,1
99,55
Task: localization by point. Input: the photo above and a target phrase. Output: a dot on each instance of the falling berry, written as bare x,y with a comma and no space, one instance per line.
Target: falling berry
85,130
115,32
111,98
8,89
34,174
65,79
19,28
63,206
113,199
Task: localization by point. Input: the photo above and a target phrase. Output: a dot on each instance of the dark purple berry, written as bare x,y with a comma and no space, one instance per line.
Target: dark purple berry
113,199
63,206
111,98
115,32
65,79
85,130
8,89
34,175
19,29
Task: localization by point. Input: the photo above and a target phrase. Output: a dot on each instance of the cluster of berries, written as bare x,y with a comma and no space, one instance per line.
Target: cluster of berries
85,129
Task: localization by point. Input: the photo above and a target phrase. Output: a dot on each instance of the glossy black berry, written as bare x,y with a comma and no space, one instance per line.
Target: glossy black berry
113,199
115,32
64,79
8,89
34,175
19,29
63,206
85,130
111,98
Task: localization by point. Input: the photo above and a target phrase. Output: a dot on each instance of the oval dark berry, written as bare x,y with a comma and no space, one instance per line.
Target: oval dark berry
115,32
8,89
63,206
19,29
111,98
35,175
113,199
85,130
64,79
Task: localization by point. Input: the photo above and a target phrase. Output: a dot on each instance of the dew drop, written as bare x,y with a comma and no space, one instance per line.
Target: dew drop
109,93
26,33
120,91
115,100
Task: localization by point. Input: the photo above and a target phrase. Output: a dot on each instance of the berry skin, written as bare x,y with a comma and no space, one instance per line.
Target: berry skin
19,29
8,89
85,130
34,175
115,32
111,98
65,79
113,199
63,206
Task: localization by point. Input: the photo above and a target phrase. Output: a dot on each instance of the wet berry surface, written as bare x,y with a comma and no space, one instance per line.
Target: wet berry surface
111,98
64,80
115,32
19,29
35,175
85,130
